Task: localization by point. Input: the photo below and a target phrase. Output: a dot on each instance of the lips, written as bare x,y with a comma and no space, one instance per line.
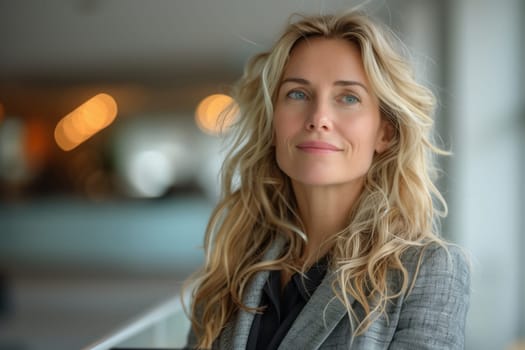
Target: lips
318,146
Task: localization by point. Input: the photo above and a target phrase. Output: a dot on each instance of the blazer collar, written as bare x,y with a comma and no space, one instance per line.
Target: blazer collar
318,318
236,333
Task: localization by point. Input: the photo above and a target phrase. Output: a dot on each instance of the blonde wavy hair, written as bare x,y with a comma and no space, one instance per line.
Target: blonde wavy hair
396,209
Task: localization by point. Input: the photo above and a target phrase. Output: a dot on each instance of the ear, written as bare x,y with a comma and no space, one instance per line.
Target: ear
384,136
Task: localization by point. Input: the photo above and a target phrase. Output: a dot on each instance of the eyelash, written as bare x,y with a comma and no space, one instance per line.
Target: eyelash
304,96
294,92
293,95
355,98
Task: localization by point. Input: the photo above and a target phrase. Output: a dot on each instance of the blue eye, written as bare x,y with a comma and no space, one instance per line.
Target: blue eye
350,99
296,95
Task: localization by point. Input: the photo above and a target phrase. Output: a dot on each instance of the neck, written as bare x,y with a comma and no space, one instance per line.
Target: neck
324,211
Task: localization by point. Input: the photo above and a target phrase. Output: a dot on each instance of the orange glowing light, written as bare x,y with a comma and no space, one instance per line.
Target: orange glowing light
211,109
85,121
36,142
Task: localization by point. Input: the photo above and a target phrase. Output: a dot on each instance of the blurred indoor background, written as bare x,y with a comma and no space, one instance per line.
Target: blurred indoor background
97,227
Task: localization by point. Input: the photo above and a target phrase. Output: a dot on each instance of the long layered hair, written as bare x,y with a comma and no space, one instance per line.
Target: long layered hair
396,209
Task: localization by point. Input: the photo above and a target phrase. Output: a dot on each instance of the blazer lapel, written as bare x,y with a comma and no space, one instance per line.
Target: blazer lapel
252,298
317,319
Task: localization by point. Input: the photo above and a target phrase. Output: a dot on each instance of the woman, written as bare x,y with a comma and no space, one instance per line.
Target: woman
324,237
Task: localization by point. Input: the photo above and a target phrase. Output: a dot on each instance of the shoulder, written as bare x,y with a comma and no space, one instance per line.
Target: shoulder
435,258
432,313
437,269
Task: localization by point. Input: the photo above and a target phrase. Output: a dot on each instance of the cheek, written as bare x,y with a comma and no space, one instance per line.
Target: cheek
283,132
366,131
283,129
281,139
361,138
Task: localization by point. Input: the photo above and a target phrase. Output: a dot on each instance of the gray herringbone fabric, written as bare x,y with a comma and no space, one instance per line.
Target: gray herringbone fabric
431,316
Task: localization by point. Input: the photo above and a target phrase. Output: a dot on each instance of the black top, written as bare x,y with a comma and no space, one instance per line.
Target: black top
270,327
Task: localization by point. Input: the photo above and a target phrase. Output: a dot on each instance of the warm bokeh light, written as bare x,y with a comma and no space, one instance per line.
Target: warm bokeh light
36,142
89,118
209,111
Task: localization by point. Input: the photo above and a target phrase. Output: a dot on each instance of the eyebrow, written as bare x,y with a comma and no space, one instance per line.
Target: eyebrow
337,82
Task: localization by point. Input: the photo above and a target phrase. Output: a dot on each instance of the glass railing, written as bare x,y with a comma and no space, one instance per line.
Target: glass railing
164,326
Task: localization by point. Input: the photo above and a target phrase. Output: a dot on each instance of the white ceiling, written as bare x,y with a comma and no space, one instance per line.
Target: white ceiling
60,38
156,55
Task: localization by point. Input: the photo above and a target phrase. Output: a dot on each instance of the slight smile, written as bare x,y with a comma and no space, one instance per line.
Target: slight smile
318,147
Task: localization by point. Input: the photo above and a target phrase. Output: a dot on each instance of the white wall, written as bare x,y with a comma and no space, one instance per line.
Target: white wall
485,171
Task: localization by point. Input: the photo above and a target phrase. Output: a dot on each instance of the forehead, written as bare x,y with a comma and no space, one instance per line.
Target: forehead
332,58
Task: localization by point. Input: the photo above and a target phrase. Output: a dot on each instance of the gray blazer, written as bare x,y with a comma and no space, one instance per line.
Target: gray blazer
431,316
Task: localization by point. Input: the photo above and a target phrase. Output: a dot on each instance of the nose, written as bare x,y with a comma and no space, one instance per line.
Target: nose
319,117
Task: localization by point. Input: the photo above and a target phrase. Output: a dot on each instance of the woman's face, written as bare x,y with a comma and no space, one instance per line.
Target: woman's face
327,122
